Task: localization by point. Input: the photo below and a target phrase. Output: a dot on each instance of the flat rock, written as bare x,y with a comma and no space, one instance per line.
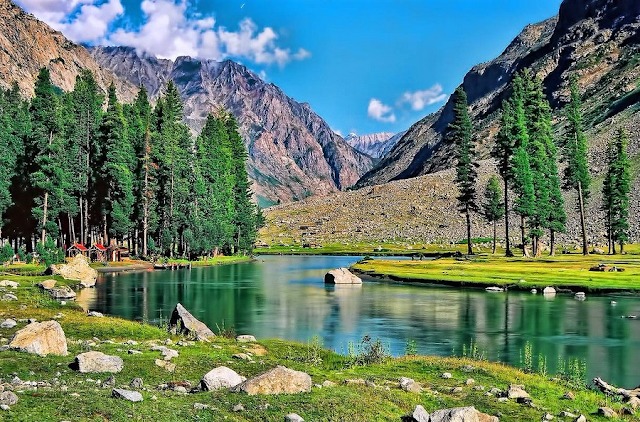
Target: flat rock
494,289
607,412
183,322
169,366
41,338
95,314
98,362
279,380
8,323
64,292
76,269
8,297
341,276
419,414
129,395
221,377
517,392
9,283
245,338
8,398
446,375
293,417
47,284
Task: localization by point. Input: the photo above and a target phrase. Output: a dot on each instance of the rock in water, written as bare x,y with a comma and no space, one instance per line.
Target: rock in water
341,276
77,269
220,377
98,362
183,322
133,396
549,291
279,380
41,338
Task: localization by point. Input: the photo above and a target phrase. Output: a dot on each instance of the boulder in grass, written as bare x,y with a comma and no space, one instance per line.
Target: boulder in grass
97,362
76,269
47,284
129,395
221,377
279,380
461,414
41,338
184,323
419,414
341,276
63,292
9,283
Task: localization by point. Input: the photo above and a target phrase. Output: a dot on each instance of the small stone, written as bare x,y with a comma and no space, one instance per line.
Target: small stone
9,297
9,283
8,398
200,406
456,390
134,352
180,389
170,367
502,400
547,417
245,338
549,291
446,375
47,284
98,362
220,377
569,396
581,418
109,382
242,356
517,391
133,396
479,388
8,323
328,383
131,343
607,412
409,385
293,417
238,408
470,381
495,391
468,368
95,314
136,383
565,414
534,291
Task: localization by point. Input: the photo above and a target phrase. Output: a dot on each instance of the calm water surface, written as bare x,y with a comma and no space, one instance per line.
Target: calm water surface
285,297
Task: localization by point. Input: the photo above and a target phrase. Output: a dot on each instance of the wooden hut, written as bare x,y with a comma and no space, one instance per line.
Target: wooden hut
98,252
77,249
118,253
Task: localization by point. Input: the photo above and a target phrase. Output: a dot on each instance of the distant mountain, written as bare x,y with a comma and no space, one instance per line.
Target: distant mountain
293,153
598,41
377,145
27,45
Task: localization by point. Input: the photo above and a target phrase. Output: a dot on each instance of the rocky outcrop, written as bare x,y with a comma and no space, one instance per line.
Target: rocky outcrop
279,380
220,377
27,44
292,152
183,322
77,269
341,276
97,362
41,338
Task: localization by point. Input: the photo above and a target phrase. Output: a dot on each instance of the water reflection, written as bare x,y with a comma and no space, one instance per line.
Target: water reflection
285,297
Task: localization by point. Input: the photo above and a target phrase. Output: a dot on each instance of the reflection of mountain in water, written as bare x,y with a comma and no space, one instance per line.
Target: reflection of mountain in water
285,297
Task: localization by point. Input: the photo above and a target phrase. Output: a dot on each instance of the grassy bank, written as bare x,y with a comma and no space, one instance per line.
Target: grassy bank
570,271
372,249
79,397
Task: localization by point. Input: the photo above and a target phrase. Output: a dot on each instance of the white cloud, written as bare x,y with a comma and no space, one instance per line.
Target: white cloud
380,112
421,99
169,29
338,132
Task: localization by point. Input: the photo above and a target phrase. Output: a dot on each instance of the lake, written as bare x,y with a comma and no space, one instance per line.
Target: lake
285,297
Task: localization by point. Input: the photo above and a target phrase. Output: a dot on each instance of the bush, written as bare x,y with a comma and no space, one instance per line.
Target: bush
6,253
368,352
49,253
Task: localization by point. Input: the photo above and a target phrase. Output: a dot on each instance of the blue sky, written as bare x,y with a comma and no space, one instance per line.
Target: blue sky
364,66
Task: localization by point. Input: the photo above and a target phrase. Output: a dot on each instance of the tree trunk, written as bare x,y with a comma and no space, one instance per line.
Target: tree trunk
609,232
525,253
621,247
495,224
506,221
44,217
469,249
585,247
83,239
86,219
552,244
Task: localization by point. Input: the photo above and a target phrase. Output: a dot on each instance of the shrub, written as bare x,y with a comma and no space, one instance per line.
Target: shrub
6,253
49,252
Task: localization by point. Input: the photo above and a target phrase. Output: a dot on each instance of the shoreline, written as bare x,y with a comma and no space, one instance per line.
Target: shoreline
149,266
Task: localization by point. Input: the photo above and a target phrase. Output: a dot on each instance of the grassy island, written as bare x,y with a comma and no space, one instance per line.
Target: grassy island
364,390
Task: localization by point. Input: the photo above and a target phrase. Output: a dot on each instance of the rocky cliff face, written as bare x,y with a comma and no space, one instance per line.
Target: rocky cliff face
293,153
27,45
596,40
377,145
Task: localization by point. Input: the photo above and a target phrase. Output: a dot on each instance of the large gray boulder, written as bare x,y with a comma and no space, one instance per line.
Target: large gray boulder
64,292
183,322
458,414
97,362
341,276
41,338
419,414
76,269
279,380
221,377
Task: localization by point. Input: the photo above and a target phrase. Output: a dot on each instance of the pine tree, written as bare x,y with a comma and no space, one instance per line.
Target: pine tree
576,174
503,151
117,170
616,188
493,207
461,133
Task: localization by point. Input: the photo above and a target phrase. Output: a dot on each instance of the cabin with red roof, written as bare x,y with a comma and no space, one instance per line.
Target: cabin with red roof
77,249
98,252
